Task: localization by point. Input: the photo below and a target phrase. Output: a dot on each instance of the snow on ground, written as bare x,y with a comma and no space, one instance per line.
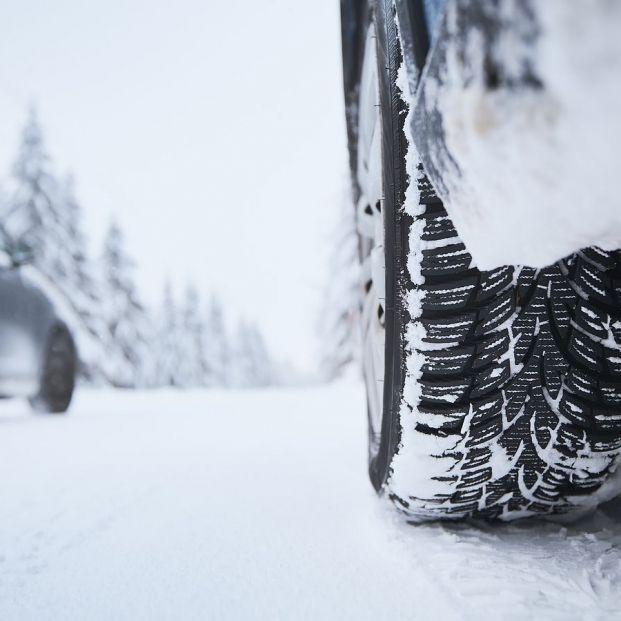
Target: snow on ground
255,505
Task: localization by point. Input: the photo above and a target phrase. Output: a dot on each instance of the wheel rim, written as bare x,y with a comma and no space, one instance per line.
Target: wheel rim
370,226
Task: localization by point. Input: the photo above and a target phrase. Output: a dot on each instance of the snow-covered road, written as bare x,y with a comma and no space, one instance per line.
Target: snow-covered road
255,505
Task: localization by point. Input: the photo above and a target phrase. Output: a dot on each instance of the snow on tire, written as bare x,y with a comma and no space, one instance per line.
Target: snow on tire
502,389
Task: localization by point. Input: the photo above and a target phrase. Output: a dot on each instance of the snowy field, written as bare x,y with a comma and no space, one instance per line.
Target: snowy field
255,505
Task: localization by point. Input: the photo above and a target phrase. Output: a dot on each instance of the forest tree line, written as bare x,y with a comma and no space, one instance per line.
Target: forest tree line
187,342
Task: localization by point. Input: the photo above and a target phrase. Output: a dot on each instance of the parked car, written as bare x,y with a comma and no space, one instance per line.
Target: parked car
38,358
494,389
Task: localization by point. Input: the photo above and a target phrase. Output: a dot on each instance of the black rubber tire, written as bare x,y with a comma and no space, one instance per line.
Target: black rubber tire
396,226
551,409
58,372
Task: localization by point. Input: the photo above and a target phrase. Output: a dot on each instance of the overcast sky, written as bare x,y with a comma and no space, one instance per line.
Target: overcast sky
212,131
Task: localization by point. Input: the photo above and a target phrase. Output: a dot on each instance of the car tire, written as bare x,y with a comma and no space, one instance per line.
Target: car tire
501,390
58,371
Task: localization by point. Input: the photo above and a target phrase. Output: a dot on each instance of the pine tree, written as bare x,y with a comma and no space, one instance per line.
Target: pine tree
44,216
338,331
253,365
263,372
217,346
80,265
6,244
80,284
168,346
193,369
33,218
125,317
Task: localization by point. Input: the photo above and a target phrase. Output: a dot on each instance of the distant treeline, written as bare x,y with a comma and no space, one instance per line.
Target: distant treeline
186,343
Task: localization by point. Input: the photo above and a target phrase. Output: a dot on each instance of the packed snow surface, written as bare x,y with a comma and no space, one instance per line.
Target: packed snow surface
255,505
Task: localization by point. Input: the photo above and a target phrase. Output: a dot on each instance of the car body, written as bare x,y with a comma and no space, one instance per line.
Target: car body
30,328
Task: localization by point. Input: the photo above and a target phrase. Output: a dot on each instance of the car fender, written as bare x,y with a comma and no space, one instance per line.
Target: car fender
516,121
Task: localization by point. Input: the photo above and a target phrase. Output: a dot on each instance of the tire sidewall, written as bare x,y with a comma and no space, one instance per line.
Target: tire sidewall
47,399
394,147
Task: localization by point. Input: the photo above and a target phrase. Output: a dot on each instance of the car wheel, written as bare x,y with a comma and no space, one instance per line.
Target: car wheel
58,372
490,394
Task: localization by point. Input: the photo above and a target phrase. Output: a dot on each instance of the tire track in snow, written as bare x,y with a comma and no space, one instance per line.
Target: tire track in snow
530,569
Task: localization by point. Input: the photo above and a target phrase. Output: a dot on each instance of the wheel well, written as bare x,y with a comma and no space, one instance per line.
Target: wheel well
354,17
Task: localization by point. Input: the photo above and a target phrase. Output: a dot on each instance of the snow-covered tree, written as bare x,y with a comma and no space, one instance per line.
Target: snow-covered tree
80,283
338,326
33,218
5,205
193,369
42,220
125,317
217,346
44,215
81,267
168,350
186,346
253,366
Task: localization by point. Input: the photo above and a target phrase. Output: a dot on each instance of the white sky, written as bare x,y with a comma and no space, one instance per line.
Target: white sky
212,130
